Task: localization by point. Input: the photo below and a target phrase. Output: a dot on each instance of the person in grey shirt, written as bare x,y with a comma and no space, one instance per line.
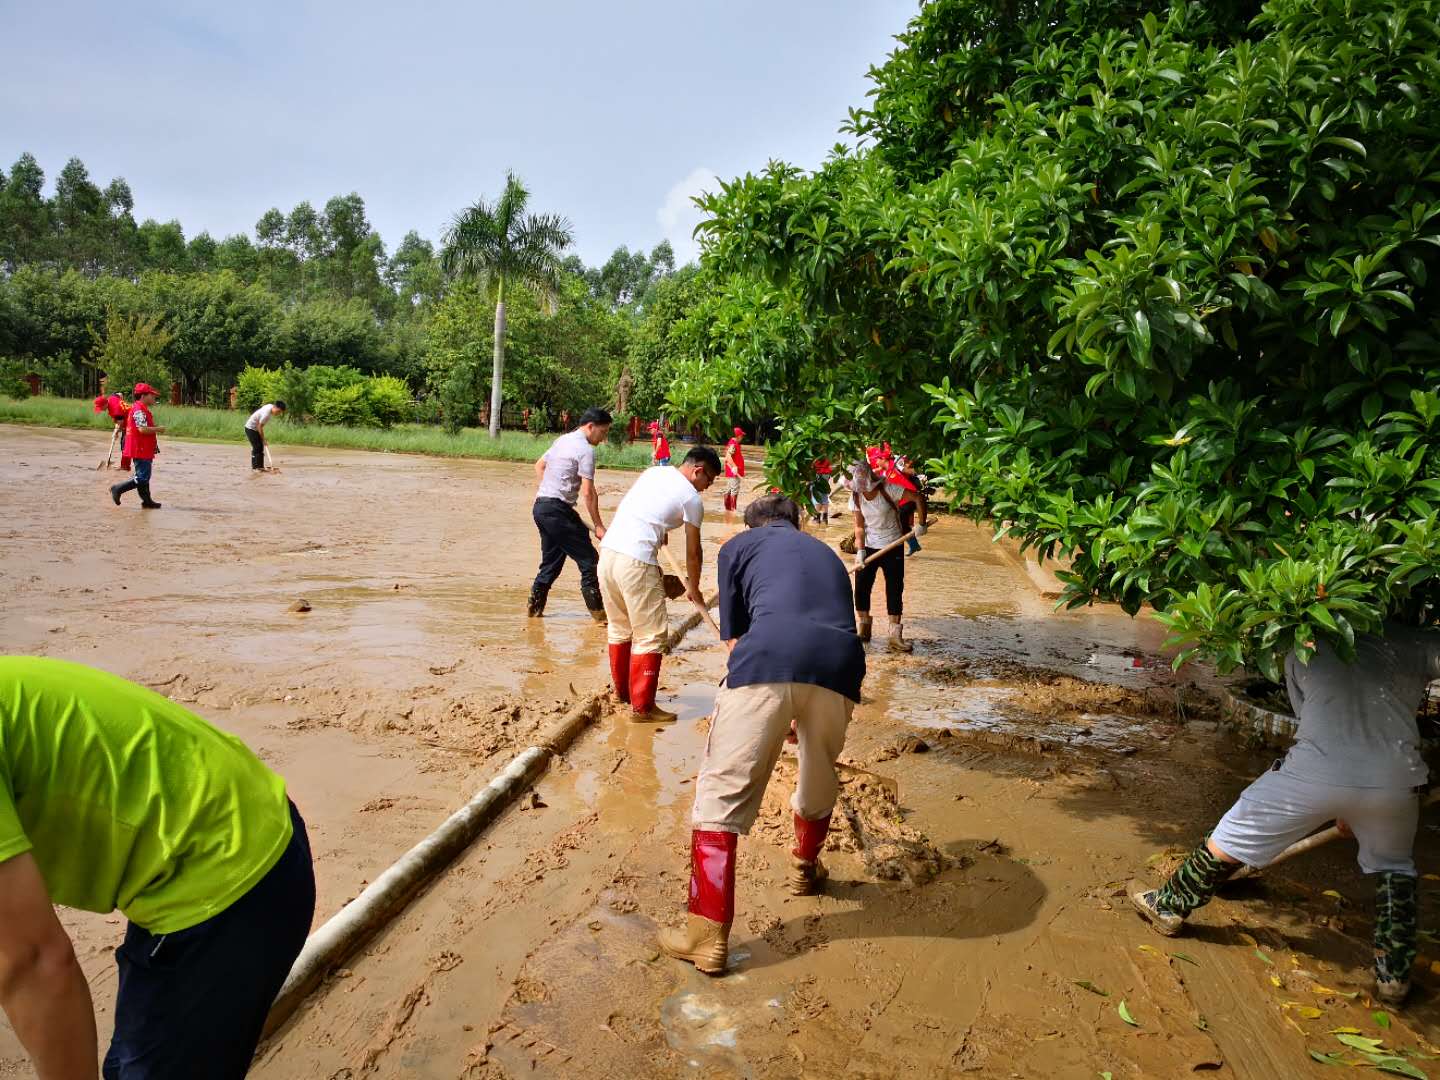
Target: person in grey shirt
1356,760
565,473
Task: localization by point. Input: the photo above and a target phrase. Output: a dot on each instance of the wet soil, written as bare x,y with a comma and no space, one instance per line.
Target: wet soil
1005,781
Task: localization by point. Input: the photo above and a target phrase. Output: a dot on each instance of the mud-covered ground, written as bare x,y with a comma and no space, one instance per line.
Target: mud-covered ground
974,925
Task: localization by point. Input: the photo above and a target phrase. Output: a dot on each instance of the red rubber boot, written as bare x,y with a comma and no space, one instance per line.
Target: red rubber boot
807,872
705,939
644,680
620,670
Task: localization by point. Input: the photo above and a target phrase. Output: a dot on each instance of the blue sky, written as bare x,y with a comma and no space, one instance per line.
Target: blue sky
614,114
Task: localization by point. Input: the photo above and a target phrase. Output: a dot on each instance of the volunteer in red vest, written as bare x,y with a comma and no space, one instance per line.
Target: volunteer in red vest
734,470
820,490
660,446
141,446
664,498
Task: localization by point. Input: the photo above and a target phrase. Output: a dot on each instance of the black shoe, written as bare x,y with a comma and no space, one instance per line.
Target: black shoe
538,595
147,503
115,493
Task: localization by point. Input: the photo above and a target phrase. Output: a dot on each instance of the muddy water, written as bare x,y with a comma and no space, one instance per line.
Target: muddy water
959,919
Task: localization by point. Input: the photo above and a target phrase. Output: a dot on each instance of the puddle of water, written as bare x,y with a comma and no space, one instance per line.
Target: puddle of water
704,1030
983,708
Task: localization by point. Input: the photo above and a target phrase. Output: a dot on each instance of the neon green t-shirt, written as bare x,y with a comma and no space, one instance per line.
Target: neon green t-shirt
129,801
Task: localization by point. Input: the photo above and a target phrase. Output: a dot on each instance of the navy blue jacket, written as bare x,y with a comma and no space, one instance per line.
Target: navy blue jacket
787,598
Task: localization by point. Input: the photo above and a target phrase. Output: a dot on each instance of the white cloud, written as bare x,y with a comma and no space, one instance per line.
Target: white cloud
678,215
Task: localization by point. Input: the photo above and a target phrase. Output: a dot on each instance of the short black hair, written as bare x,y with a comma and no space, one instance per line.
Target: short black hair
282,406
595,415
703,455
772,507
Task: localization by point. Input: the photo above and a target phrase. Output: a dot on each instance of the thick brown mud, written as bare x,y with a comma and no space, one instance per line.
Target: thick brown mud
1004,782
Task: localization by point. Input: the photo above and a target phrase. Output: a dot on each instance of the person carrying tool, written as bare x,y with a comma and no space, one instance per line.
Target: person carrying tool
785,615
564,473
659,445
631,582
1356,759
734,469
255,432
115,407
113,797
141,446
875,504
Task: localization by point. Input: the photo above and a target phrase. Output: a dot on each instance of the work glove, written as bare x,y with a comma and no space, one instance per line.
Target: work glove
859,560
921,530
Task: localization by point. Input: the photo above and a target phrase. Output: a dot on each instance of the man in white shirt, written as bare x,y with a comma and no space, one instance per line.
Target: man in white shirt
255,432
664,498
565,473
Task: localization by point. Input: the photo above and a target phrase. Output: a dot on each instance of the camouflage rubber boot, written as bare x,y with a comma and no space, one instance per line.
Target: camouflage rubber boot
1191,886
1396,925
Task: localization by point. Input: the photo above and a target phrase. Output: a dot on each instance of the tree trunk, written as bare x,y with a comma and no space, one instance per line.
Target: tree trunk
499,372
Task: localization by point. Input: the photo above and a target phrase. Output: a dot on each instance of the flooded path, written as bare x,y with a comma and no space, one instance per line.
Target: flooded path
973,927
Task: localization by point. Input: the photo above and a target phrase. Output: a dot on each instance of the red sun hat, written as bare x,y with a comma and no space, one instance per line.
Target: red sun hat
740,432
145,388
654,427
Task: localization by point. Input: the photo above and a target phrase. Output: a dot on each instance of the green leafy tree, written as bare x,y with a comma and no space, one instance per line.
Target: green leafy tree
499,245
1150,284
218,324
24,216
131,349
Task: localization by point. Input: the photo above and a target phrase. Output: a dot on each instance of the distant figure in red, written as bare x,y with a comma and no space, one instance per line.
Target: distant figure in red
141,445
634,431
660,446
820,490
119,412
734,470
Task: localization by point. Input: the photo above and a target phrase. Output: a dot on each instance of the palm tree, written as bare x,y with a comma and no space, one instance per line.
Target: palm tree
499,244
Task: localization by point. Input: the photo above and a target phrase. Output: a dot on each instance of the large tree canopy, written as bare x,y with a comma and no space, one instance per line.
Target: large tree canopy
1151,285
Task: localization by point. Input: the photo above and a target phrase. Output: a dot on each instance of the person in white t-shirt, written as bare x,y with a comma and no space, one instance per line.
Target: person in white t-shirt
876,502
255,432
664,498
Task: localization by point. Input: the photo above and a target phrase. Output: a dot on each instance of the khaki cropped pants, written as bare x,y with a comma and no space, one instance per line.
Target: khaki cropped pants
634,602
746,738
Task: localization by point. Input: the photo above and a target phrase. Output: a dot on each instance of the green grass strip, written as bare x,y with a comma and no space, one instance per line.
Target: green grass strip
221,425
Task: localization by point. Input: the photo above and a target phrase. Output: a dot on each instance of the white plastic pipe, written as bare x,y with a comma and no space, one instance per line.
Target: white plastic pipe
387,895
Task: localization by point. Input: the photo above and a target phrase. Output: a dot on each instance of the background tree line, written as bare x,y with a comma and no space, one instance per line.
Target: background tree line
85,289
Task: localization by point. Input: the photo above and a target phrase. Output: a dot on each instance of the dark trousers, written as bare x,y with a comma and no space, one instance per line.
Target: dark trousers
563,534
893,564
257,448
193,1003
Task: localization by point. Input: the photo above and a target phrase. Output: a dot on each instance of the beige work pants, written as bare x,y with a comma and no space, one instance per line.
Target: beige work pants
746,738
634,602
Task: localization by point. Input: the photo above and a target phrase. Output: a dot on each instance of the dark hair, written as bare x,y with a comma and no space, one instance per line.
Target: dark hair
770,508
595,415
703,455
281,406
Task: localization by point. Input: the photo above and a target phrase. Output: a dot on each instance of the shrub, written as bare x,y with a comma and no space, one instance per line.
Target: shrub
389,400
538,423
347,405
256,386
326,377
12,379
131,351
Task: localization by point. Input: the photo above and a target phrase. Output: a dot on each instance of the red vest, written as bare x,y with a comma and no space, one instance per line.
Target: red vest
139,444
738,469
662,447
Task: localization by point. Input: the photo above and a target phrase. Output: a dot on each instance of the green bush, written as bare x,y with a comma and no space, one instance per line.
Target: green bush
12,379
255,387
346,405
389,400
325,377
1153,287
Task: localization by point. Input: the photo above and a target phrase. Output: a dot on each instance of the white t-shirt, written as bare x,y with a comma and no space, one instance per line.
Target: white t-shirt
258,417
661,500
882,524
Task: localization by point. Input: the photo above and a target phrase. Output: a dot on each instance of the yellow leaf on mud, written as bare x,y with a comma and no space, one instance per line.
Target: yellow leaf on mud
1344,1031
1309,1012
1152,950
1248,940
1274,980
1332,894
1296,1026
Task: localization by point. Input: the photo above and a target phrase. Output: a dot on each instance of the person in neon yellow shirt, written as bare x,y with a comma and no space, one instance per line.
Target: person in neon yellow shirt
115,798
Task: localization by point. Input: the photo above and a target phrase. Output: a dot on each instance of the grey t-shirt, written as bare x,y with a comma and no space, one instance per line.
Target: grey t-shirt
1357,721
570,459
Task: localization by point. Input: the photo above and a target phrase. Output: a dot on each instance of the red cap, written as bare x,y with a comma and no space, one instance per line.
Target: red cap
145,388
654,426
740,432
